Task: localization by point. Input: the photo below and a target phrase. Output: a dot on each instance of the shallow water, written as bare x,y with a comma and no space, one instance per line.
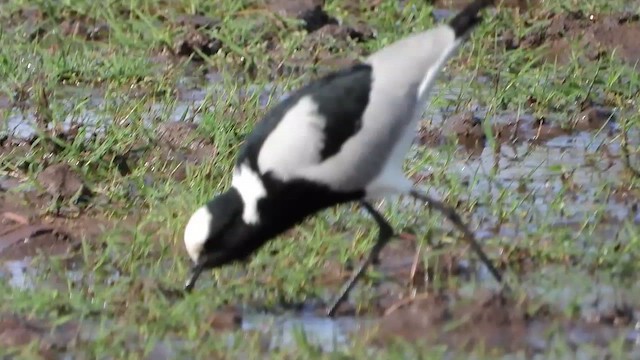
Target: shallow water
284,331
280,330
18,273
329,334
95,112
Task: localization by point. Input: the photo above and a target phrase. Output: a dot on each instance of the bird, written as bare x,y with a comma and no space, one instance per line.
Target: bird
341,138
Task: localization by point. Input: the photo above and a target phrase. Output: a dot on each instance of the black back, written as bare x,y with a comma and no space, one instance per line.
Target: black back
342,98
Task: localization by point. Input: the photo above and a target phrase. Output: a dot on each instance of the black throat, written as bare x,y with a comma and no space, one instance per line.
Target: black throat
290,203
285,206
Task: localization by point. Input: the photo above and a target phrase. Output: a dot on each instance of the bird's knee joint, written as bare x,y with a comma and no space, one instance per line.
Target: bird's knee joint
452,215
386,231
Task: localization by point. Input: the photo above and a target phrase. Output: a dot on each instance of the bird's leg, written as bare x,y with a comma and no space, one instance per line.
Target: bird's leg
453,216
384,235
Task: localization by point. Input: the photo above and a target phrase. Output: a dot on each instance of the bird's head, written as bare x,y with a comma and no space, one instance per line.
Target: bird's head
216,234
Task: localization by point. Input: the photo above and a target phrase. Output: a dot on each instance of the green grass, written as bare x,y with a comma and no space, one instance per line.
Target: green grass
120,78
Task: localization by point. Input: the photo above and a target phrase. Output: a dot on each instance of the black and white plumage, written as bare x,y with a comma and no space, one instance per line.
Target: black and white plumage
339,139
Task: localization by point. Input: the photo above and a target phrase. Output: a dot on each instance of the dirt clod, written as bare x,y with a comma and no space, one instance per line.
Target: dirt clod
225,319
61,180
342,33
592,118
181,144
195,37
195,41
467,128
311,12
184,136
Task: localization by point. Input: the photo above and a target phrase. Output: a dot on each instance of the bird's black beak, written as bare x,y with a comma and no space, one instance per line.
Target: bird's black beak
195,273
206,262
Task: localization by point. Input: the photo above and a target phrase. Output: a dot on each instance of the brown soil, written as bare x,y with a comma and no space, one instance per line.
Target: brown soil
627,194
466,129
492,321
27,229
60,180
333,39
17,332
180,144
598,35
25,232
228,318
69,23
182,135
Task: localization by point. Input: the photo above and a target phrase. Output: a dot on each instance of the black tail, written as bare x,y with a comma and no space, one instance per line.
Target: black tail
468,17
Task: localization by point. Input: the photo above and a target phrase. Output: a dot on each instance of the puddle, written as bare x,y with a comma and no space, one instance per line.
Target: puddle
24,275
276,331
605,314
19,274
8,183
96,113
328,334
282,331
533,170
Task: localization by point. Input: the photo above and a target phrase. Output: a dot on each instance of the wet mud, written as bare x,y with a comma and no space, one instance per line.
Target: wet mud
27,230
495,322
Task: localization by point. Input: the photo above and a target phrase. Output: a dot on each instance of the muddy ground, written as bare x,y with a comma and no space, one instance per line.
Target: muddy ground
61,211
